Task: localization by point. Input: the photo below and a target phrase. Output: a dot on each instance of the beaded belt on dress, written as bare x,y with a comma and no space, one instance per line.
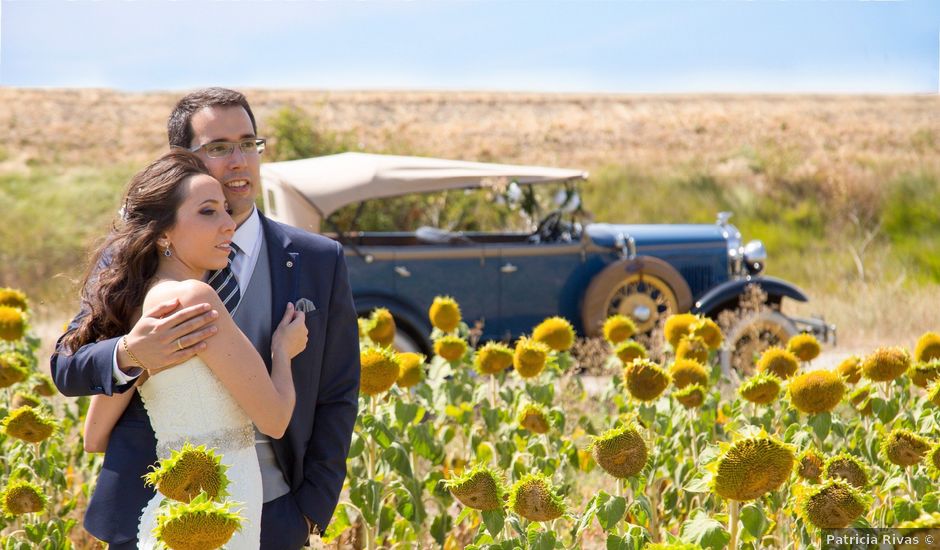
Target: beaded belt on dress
222,440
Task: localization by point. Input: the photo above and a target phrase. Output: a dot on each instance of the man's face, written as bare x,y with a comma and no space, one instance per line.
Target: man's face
239,173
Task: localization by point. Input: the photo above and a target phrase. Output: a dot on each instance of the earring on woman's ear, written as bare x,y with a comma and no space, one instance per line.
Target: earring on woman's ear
166,251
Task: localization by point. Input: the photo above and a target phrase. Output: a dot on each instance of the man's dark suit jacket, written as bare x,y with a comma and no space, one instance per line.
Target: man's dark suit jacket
312,453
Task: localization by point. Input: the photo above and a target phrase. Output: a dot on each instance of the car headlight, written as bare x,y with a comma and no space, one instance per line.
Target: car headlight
755,257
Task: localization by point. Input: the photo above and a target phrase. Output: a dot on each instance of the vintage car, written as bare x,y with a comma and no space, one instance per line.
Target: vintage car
510,281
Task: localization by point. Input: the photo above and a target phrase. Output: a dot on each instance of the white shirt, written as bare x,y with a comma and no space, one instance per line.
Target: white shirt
248,240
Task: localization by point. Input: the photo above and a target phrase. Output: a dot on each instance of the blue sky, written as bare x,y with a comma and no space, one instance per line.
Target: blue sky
550,46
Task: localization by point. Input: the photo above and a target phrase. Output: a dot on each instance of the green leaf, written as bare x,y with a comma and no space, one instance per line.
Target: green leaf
540,540
610,512
754,520
379,432
543,394
397,457
701,483
590,511
405,413
904,509
367,497
494,520
821,423
615,542
886,411
931,503
339,523
705,531
423,443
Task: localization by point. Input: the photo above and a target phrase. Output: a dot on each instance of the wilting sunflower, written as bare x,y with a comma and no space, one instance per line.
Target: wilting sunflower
529,357
380,369
618,328
692,347
685,372
492,358
411,369
188,472
708,331
904,448
677,326
25,399
555,332
760,389
886,363
13,369
381,327
919,529
29,424
805,346
779,362
12,323
444,313
629,350
620,451
833,505
691,396
534,418
847,467
861,400
816,391
850,369
42,385
927,348
13,298
809,465
645,380
922,374
533,498
450,347
22,497
752,467
479,488
200,524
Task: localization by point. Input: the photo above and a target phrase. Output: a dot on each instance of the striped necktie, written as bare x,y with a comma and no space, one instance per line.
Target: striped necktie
225,283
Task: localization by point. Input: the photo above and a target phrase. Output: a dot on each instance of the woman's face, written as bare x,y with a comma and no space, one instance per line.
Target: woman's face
202,236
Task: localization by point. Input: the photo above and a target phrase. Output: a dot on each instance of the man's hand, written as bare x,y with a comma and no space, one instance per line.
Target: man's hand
162,339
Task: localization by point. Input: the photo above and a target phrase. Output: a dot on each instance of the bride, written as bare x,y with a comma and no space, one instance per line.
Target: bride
175,230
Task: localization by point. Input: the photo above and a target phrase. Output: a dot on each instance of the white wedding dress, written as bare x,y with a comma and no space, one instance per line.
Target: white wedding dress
188,403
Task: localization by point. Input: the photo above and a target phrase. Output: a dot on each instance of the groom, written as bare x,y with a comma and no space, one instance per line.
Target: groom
302,472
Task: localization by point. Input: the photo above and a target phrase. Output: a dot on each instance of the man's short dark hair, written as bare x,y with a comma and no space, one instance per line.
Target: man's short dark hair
179,126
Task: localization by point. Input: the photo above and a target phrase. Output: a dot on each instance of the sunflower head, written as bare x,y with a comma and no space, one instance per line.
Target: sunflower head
556,332
13,298
13,369
752,467
380,370
691,396
42,385
450,347
12,323
479,488
809,465
692,347
850,369
28,424
411,369
861,400
629,350
200,524
760,389
833,505
708,331
533,498
904,448
886,363
618,328
779,362
22,497
922,374
927,348
677,326
805,346
381,327
534,418
188,472
645,380
847,467
685,372
529,357
492,358
816,391
25,399
444,313
620,451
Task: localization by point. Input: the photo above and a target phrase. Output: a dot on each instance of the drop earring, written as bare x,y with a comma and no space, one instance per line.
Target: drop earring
166,251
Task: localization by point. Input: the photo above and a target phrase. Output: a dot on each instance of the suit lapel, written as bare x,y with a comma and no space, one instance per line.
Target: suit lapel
284,265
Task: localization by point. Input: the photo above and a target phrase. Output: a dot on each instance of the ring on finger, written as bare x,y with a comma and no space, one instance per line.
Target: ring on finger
179,345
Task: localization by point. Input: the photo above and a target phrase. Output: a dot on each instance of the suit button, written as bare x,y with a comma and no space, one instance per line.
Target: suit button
290,263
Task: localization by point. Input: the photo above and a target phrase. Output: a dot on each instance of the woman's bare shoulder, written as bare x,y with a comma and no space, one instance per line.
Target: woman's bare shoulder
189,292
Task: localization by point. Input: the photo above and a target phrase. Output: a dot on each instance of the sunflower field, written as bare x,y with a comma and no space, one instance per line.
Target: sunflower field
507,445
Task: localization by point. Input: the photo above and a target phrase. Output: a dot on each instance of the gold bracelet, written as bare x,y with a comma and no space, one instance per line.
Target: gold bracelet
129,352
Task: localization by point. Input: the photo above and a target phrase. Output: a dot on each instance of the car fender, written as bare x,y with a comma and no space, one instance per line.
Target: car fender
718,298
406,317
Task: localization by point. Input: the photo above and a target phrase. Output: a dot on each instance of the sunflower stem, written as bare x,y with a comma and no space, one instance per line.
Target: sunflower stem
733,524
691,422
493,392
910,483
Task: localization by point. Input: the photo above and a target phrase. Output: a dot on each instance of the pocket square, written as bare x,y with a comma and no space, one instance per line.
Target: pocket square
305,305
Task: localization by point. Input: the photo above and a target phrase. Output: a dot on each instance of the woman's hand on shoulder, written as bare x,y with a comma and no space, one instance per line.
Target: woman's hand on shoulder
290,337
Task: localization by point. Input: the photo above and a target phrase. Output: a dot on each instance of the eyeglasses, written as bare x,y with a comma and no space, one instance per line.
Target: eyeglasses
220,149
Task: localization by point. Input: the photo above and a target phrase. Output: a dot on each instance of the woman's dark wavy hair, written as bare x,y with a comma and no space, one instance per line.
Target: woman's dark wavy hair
122,267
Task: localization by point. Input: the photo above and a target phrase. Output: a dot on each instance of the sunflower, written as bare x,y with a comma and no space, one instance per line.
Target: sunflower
922,374
492,358
200,524
411,366
13,298
28,424
927,348
380,370
805,346
886,363
450,347
851,369
833,505
479,488
779,362
188,472
688,371
444,313
752,467
677,326
692,347
381,327
904,448
618,328
529,357
22,497
760,389
534,418
645,380
533,498
816,391
629,350
708,331
12,323
847,467
621,451
691,396
809,465
556,332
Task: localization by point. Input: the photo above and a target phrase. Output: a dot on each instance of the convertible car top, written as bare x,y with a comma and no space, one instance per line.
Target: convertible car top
304,192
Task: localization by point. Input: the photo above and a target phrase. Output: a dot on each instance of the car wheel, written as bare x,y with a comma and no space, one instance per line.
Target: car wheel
750,336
